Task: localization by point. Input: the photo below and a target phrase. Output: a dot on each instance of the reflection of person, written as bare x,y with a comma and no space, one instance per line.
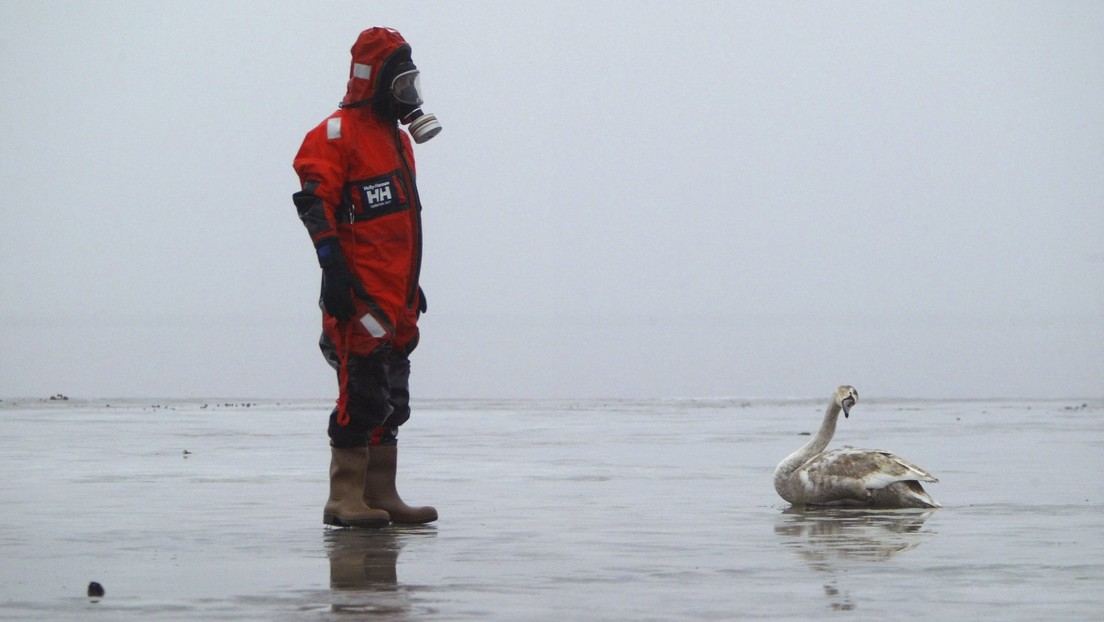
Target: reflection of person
359,202
363,560
363,573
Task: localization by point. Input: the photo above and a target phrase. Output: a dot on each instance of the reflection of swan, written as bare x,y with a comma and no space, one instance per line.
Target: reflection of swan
834,539
849,477
823,534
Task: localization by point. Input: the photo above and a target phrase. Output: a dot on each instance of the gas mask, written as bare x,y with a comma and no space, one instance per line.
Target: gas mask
406,94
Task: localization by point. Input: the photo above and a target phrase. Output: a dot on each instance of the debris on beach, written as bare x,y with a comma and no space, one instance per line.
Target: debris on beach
95,592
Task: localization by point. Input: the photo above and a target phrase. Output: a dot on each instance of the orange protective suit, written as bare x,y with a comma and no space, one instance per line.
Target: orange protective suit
358,178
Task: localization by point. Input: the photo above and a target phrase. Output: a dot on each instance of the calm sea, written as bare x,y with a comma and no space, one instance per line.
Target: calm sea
578,510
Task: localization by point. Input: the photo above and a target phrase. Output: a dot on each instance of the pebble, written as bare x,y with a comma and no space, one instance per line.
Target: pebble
95,592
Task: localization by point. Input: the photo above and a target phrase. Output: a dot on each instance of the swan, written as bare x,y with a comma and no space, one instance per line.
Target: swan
849,477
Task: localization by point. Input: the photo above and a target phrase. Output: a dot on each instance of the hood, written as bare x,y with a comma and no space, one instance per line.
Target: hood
372,48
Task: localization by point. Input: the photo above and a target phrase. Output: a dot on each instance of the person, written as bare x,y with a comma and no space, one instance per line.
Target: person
359,202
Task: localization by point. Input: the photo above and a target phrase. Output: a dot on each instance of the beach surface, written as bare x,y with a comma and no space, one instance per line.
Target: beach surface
578,510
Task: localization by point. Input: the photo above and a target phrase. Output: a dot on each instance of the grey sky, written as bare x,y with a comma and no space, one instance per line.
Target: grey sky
628,199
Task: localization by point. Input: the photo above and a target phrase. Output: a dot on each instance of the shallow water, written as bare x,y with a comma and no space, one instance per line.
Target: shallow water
651,510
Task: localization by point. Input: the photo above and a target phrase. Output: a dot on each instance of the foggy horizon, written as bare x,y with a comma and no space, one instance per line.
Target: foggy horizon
684,200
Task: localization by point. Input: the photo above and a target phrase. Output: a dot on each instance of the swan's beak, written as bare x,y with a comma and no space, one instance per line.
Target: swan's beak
847,403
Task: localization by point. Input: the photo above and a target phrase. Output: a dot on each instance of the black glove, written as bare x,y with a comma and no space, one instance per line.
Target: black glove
338,284
338,287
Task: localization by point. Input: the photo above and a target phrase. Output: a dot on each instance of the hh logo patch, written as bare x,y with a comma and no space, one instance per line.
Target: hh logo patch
377,195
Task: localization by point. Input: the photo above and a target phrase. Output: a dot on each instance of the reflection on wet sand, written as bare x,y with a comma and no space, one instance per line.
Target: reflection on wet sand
831,540
363,570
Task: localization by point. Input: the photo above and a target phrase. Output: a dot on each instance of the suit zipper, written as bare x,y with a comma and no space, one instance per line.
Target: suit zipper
416,260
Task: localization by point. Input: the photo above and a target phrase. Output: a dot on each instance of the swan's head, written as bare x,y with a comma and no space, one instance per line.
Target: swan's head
846,397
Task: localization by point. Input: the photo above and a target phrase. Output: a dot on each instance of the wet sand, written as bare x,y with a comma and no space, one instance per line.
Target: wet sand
651,510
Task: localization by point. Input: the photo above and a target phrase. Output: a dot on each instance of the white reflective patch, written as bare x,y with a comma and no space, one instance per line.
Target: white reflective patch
333,128
373,326
364,72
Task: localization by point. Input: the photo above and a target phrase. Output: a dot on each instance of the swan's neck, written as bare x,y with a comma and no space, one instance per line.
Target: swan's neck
814,446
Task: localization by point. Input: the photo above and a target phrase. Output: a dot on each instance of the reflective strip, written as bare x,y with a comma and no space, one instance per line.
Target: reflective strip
364,72
373,326
333,128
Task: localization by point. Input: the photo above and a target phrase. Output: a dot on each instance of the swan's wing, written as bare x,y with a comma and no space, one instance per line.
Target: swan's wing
824,479
875,468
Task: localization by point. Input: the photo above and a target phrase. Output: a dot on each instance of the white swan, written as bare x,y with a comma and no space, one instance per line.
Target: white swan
849,477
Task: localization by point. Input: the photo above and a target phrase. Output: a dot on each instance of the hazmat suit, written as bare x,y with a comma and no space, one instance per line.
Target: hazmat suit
359,203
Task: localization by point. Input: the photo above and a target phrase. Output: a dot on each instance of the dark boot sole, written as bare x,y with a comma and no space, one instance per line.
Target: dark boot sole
413,521
372,523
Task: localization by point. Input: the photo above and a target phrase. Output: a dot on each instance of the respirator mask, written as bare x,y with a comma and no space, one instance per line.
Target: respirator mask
406,90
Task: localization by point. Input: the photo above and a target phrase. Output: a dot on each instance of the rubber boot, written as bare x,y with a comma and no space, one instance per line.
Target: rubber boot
345,507
380,492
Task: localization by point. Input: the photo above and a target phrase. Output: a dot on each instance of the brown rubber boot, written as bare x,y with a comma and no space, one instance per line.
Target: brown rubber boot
380,492
345,507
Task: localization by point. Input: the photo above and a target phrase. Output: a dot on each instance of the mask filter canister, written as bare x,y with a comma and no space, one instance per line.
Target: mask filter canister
421,126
